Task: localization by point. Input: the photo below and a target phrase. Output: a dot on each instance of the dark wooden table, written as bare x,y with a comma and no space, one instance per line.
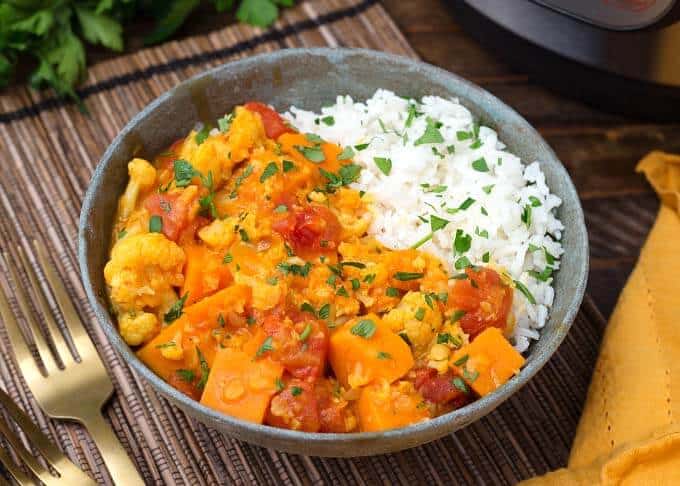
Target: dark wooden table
599,149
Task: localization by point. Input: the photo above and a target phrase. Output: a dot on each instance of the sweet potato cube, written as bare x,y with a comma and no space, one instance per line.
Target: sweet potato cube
383,406
487,362
241,385
204,273
174,348
365,350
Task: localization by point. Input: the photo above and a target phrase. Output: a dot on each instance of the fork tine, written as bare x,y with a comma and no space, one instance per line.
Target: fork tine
69,473
80,337
57,337
25,455
13,470
43,349
22,353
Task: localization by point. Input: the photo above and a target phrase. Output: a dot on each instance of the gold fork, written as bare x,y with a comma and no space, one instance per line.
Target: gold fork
77,391
68,473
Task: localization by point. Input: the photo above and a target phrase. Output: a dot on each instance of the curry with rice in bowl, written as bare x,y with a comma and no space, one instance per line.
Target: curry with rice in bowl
244,272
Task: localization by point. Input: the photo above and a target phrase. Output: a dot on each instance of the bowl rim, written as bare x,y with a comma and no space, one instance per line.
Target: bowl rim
421,431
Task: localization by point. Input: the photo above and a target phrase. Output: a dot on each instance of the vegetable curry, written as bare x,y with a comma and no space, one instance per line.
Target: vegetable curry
242,271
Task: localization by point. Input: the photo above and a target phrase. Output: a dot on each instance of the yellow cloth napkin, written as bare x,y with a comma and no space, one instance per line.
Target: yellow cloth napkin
629,432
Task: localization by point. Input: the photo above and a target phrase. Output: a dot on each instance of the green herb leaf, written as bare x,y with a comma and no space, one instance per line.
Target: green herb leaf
462,242
261,13
295,391
459,384
244,235
187,376
550,259
328,120
155,224
100,29
202,134
385,165
176,310
184,172
224,123
281,208
228,258
313,137
361,146
462,262
391,292
324,311
487,189
485,257
543,276
526,215
269,171
307,307
279,384
306,332
365,328
267,345
480,165
383,355
369,278
342,292
313,154
535,202
420,313
437,223
522,288
405,276
461,135
205,369
347,153
462,360
431,134
288,166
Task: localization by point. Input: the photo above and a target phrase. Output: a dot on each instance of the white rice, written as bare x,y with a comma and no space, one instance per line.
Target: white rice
400,197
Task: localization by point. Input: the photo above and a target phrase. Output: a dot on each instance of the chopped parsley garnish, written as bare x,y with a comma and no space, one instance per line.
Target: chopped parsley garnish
480,165
485,257
369,278
431,134
205,370
482,233
462,360
391,292
324,311
169,344
244,235
313,154
307,307
420,313
361,146
281,208
384,355
462,262
342,292
543,276
295,391
328,120
155,224
187,376
306,332
207,204
439,188
487,189
456,316
385,165
176,309
461,242
346,175
355,284
288,166
265,347
239,180
535,202
294,268
250,320
470,377
365,328
314,138
444,338
225,122
436,223
476,144
353,264
272,280
279,384
184,172
405,276
533,248
526,215
220,320
347,153
522,288
412,114
451,149
202,134
459,276
269,171
459,384
463,206
228,258
550,259
461,135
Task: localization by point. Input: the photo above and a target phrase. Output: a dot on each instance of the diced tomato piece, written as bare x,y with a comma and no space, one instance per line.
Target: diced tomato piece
440,389
173,210
190,231
305,359
484,298
309,229
295,407
274,124
335,415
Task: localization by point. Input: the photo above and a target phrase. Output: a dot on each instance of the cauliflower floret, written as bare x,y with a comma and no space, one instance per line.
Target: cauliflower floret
416,319
246,131
142,271
219,234
137,328
142,177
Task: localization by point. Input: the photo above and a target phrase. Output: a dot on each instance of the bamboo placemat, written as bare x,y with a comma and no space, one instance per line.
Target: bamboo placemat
49,150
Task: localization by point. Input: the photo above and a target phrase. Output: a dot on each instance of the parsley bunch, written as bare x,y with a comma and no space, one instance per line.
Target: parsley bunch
52,32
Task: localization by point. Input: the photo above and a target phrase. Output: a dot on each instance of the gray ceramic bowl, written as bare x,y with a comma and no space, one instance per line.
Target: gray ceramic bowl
310,78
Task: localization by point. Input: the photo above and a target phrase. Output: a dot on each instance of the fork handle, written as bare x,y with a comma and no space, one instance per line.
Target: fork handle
120,466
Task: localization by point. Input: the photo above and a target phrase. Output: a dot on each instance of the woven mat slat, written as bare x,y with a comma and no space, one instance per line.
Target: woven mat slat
49,150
